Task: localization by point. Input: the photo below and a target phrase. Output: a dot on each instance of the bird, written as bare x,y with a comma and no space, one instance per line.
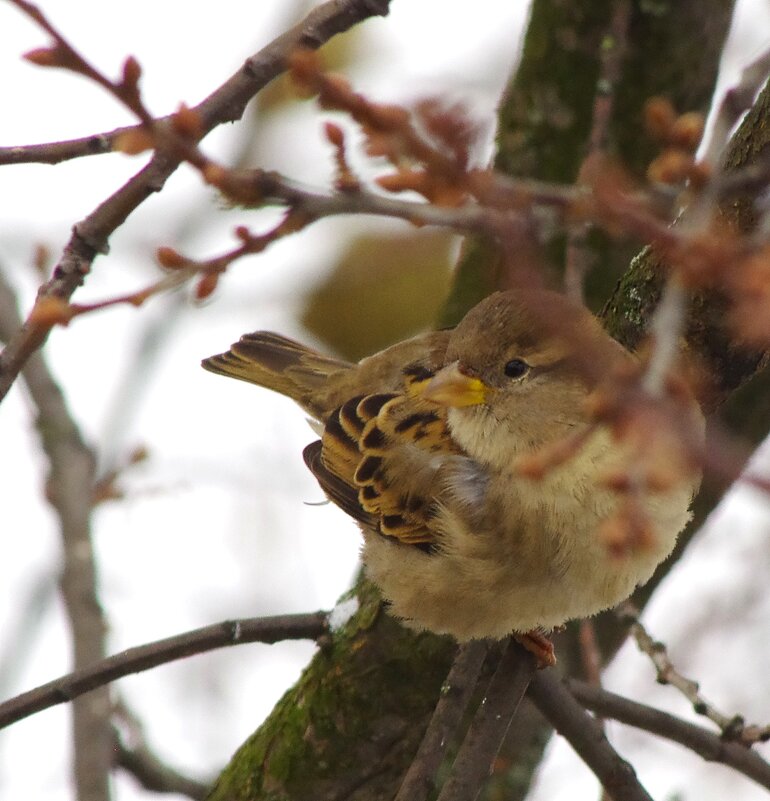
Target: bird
422,444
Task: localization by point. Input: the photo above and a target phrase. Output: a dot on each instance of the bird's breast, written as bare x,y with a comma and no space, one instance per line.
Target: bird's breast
516,554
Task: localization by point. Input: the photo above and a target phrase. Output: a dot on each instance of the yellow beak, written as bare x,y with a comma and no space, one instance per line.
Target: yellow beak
451,387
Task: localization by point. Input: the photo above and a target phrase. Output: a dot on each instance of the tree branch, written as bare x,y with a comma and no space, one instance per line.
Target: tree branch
455,696
91,235
699,740
485,736
135,660
69,489
56,152
585,735
156,776
733,727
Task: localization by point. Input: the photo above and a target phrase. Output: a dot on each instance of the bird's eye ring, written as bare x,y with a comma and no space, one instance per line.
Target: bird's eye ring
516,368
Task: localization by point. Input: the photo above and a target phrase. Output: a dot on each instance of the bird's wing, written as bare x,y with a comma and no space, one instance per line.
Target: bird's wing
283,365
379,459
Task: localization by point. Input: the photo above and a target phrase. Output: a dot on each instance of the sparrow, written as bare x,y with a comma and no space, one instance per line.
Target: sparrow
422,444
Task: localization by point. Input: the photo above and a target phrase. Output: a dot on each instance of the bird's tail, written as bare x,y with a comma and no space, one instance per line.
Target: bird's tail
281,364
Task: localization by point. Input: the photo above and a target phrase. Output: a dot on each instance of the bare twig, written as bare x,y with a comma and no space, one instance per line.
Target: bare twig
133,754
590,655
487,731
456,693
156,776
697,739
305,207
586,737
62,54
69,489
135,660
226,104
733,728
56,152
52,310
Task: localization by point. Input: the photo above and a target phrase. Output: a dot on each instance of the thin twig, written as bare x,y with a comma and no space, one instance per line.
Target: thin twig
135,660
590,655
156,776
586,737
456,693
91,235
697,739
133,754
56,152
591,660
69,489
733,727
485,736
305,207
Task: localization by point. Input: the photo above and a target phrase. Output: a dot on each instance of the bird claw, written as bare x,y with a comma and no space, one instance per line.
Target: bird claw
540,646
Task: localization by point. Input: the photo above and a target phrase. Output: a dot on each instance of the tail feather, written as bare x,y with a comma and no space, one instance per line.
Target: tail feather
281,364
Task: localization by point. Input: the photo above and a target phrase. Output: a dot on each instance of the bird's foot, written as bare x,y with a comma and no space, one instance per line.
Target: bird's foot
540,646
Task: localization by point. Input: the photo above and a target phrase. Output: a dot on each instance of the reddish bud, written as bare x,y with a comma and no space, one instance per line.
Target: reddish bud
337,93
446,195
617,481
132,71
687,131
51,311
700,175
133,142
305,62
169,258
214,174
392,117
186,122
614,535
659,118
380,145
334,134
305,67
206,285
600,404
43,57
671,167
404,181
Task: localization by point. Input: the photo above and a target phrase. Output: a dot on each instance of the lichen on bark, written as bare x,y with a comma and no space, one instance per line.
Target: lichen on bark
351,723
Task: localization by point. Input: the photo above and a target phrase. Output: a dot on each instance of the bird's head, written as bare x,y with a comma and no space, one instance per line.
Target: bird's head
518,370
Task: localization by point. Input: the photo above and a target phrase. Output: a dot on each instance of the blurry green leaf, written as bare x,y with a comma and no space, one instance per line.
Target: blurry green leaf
384,288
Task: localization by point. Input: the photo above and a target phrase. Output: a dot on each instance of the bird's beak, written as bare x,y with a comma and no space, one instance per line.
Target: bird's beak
452,387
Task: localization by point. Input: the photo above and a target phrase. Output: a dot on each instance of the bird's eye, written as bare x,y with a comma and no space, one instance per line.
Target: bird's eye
516,368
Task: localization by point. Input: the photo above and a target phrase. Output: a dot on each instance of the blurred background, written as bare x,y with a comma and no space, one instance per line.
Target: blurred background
220,520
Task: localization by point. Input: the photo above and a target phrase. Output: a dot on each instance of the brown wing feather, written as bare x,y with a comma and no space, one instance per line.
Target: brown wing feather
380,451
378,460
338,490
283,365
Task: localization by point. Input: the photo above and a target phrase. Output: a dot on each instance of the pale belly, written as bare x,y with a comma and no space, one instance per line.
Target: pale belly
485,584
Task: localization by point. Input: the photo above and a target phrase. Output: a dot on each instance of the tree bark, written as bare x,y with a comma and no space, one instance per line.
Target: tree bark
349,728
352,724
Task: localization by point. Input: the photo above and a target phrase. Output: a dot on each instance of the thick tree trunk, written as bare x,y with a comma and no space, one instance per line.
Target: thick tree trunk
350,727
